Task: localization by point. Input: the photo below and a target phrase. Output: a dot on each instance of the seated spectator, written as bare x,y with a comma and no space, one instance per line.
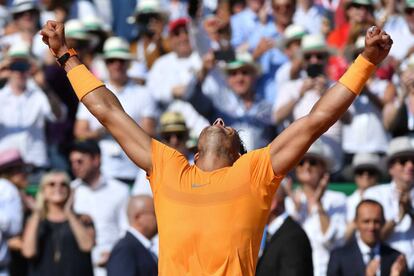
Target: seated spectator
310,15
367,171
171,73
132,254
135,99
103,199
287,250
397,198
299,96
56,240
25,109
11,208
173,132
234,99
366,255
320,212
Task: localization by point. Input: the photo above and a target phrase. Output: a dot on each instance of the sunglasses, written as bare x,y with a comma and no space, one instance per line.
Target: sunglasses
311,161
168,136
57,184
319,56
19,66
242,72
113,60
409,11
180,30
403,160
282,7
359,6
369,172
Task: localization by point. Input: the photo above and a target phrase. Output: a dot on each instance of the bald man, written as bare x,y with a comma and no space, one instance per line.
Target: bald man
132,255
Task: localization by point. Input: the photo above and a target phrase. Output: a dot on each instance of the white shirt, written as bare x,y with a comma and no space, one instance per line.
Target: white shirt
366,132
141,238
366,250
169,71
400,33
106,204
11,216
402,239
138,104
352,202
291,91
334,204
22,123
276,223
311,19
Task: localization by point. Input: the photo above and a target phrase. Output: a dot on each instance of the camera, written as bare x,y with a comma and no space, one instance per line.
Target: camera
314,70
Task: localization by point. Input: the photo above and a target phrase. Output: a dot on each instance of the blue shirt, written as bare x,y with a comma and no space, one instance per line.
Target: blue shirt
242,25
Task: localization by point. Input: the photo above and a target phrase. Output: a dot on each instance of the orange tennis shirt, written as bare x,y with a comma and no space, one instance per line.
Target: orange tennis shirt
210,223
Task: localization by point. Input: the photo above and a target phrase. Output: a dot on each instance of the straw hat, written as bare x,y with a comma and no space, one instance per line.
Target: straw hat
172,122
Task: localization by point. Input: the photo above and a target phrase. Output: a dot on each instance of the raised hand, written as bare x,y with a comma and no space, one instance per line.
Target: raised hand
377,45
53,35
399,266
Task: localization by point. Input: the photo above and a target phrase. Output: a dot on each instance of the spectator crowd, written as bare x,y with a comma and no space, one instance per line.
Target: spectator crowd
176,66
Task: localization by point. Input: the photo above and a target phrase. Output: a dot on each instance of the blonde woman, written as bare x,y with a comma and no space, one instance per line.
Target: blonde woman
57,241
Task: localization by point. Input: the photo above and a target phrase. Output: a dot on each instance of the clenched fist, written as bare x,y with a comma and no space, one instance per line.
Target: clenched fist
377,45
53,35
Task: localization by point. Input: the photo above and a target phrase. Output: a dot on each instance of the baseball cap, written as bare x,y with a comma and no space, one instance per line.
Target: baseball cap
176,23
10,158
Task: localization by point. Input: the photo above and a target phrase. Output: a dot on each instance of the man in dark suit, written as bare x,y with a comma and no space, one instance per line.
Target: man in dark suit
287,250
365,254
132,255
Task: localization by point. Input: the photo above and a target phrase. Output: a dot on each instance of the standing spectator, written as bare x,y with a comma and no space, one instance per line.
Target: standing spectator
244,23
366,255
56,240
320,212
287,250
25,108
397,198
172,72
234,99
151,44
398,114
367,171
310,15
300,95
103,199
132,254
136,101
25,23
11,209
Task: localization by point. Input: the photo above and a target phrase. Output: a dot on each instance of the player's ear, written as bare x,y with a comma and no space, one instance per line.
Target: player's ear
196,156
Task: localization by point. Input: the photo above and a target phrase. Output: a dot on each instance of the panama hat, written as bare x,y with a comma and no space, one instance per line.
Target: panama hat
323,152
243,59
116,48
19,6
367,160
19,50
293,32
314,43
400,147
145,7
75,29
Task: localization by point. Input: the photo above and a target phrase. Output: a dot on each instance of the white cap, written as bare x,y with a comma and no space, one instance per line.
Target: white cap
116,47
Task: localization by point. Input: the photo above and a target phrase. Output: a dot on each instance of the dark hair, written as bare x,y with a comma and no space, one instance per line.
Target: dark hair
372,202
89,146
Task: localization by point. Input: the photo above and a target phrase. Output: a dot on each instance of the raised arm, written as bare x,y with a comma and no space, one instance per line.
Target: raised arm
101,102
289,147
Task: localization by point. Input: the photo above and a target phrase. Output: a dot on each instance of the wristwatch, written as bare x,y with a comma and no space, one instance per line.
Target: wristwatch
63,58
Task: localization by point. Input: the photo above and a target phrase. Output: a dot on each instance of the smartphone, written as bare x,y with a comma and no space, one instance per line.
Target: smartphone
314,70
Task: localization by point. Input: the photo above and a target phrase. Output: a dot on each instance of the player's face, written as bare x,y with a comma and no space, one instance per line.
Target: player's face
220,136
